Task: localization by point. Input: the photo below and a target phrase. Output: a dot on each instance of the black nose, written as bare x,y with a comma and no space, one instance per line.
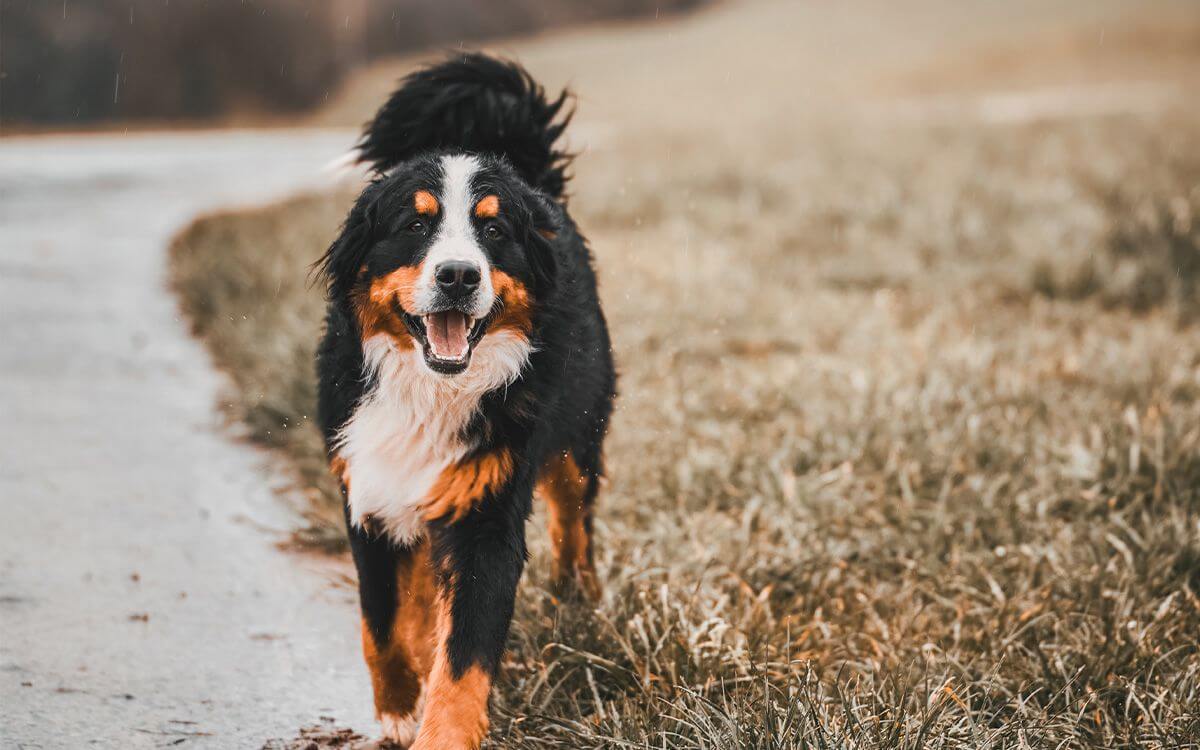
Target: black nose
457,279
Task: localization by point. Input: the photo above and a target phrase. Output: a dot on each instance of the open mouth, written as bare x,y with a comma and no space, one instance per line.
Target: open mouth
447,338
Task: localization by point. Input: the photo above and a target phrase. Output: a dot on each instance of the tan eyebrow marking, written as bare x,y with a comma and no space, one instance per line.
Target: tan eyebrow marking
425,203
488,207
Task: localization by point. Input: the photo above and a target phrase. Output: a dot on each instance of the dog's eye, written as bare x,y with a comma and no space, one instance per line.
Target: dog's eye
493,232
417,227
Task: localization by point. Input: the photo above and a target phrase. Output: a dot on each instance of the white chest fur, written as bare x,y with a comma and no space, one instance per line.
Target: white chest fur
408,428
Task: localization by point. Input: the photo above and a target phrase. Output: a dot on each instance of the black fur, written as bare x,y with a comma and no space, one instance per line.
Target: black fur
473,103
562,400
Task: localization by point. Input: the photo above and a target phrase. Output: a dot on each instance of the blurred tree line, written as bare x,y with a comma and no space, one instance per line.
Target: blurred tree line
65,62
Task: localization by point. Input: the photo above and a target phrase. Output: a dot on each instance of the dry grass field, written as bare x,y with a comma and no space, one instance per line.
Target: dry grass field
907,451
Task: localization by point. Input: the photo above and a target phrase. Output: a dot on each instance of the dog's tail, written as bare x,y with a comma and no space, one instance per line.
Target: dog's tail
477,103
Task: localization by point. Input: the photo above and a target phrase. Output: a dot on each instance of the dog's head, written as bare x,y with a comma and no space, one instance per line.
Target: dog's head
442,252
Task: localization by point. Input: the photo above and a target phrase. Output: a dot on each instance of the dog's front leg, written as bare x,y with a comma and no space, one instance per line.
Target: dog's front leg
478,557
397,590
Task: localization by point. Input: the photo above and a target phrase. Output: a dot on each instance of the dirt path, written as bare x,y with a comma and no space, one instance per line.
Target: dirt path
141,602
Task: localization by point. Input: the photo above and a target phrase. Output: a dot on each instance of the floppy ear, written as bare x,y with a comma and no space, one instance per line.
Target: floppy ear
340,263
544,226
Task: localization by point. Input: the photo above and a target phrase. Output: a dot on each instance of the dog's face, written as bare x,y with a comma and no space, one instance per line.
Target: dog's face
442,253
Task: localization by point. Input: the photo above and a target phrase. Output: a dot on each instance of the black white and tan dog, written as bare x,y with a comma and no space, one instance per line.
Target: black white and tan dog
465,363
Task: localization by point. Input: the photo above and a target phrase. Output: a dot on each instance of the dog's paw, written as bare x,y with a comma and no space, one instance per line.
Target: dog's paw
399,731
575,586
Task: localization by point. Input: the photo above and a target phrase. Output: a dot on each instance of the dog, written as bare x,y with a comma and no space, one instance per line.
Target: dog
465,362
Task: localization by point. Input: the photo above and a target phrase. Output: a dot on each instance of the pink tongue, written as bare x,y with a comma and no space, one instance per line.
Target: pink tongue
447,334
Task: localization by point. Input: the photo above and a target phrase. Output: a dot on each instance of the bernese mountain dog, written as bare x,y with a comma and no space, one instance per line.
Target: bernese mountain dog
465,362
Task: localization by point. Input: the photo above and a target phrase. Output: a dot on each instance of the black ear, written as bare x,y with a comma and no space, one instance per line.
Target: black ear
340,263
545,224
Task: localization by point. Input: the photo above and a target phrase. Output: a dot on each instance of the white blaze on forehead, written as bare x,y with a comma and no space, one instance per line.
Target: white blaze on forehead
457,172
455,239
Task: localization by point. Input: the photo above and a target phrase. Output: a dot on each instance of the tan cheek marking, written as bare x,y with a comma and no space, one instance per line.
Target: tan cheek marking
456,713
462,486
375,311
548,234
401,284
425,203
488,207
517,309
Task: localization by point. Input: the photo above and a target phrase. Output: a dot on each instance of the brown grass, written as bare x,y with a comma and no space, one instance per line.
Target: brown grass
875,481
1151,253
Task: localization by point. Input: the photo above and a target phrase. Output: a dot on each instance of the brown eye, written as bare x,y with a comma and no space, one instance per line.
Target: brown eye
493,232
417,227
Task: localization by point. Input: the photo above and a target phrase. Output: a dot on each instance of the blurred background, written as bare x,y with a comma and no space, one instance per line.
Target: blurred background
79,64
904,299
